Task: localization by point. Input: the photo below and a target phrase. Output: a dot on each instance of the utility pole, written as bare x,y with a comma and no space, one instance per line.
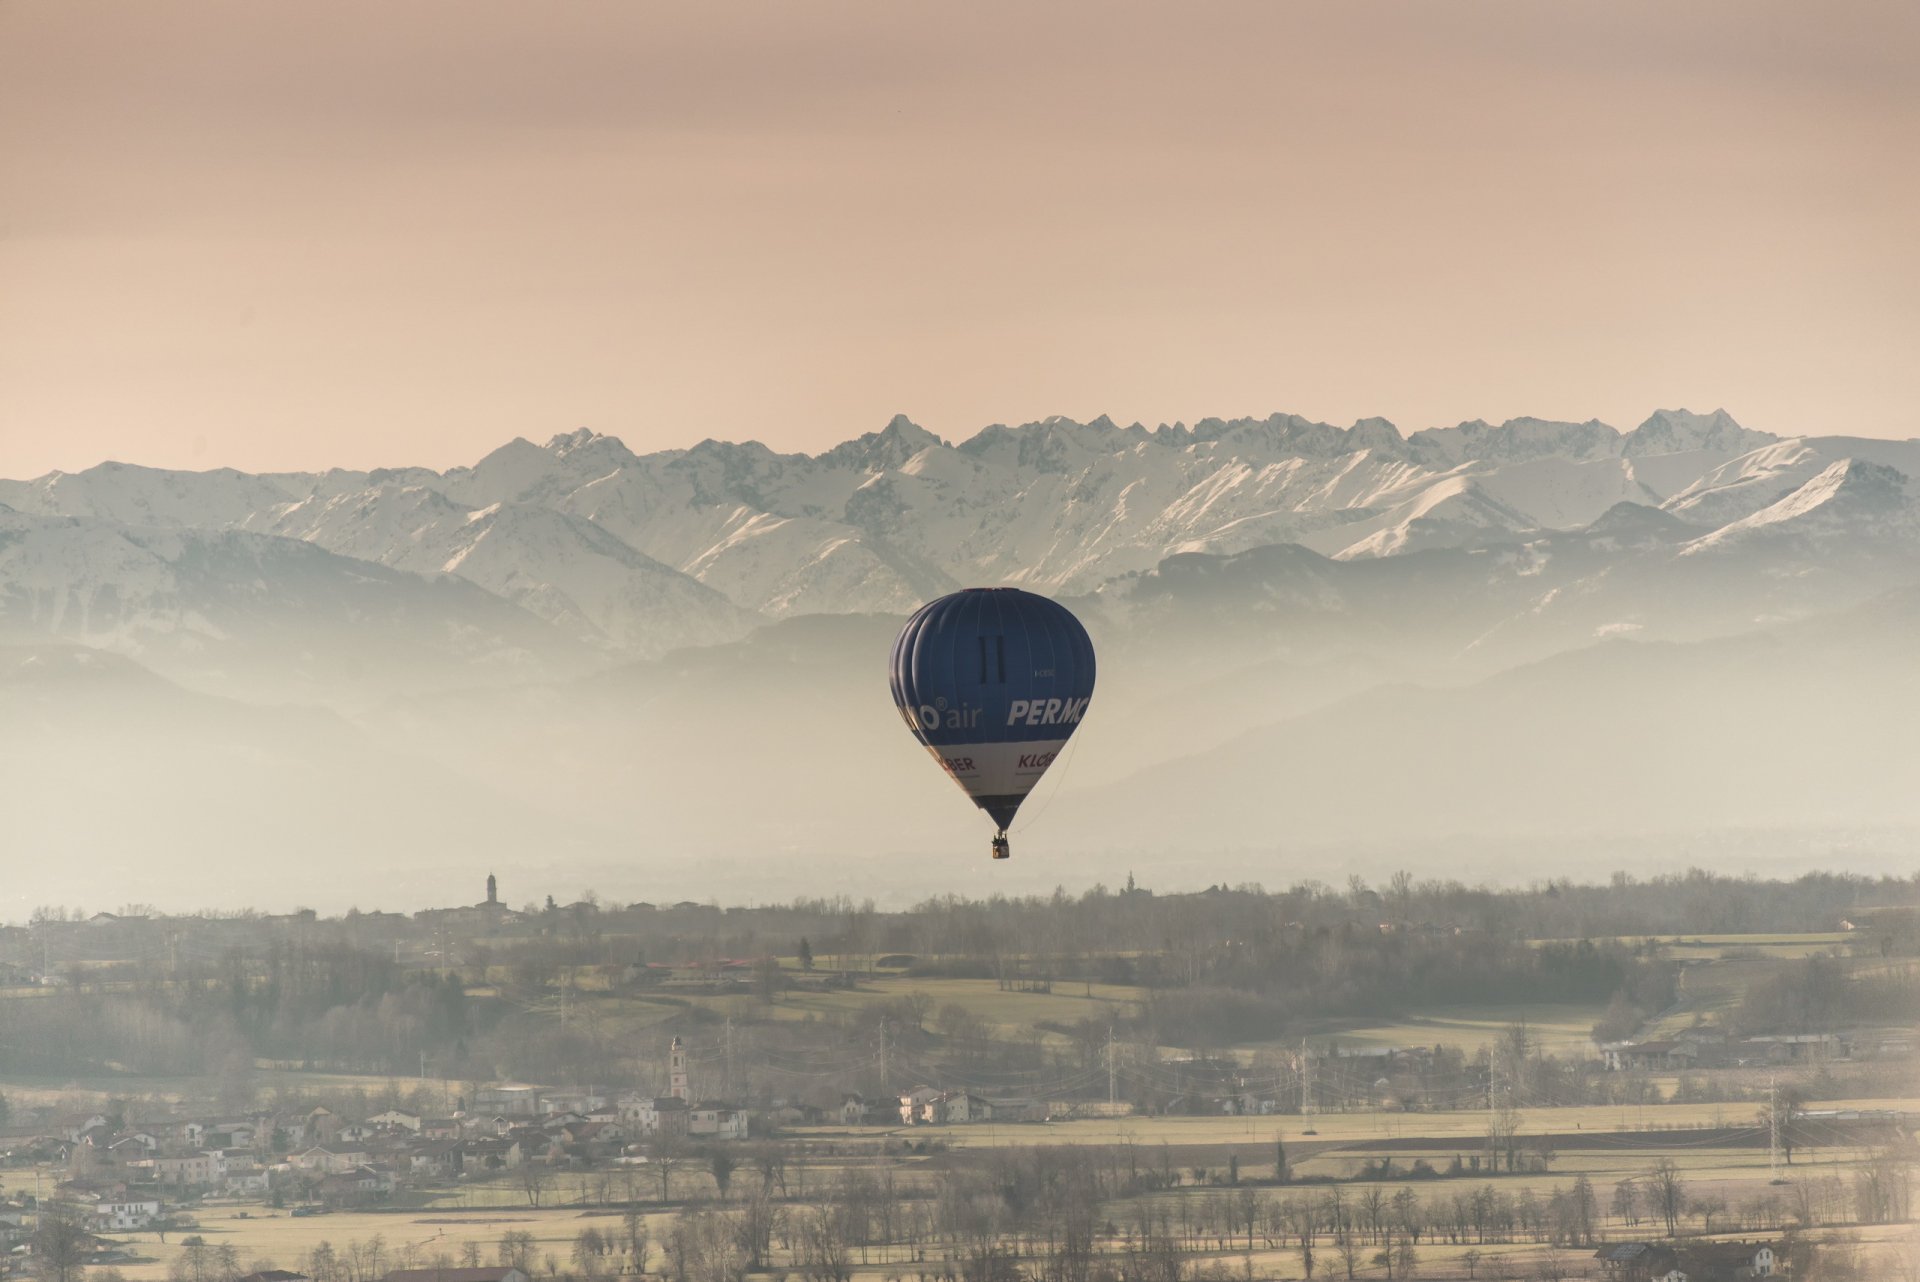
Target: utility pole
729,1070
883,1057
1306,1079
1773,1129
1113,1079
1494,1137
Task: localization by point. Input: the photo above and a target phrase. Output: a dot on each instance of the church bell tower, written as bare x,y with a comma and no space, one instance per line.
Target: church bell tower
677,1072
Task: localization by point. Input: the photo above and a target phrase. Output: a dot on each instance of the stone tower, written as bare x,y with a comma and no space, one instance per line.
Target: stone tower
493,890
677,1072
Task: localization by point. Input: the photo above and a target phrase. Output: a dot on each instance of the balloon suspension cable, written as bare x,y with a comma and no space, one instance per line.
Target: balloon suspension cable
1059,782
1000,848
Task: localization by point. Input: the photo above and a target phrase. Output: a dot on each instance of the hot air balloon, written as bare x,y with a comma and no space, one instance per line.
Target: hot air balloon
993,681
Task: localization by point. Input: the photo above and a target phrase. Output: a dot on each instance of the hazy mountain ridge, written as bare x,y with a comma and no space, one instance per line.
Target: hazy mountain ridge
1309,637
892,517
259,615
562,568
636,555
126,787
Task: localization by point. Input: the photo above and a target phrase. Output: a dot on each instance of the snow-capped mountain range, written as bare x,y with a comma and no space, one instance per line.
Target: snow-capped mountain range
581,547
1349,640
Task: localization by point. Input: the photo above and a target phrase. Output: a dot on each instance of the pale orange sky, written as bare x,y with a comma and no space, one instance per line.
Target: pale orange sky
302,234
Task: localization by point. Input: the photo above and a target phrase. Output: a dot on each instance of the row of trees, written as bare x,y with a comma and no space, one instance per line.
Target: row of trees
974,1233
1224,965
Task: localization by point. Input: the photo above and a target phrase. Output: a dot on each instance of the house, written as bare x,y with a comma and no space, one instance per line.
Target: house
322,1124
128,1149
514,1099
73,1126
919,1105
581,1102
242,1175
533,1141
1796,1048
1021,1109
1651,1056
230,1135
124,1213
273,1275
854,1110
925,1106
456,1275
360,1185
717,1119
202,1170
438,1159
253,1181
329,1161
1727,1261
657,1115
492,1154
1636,1262
963,1106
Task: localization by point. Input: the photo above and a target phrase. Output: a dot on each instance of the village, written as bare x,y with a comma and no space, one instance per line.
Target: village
714,1075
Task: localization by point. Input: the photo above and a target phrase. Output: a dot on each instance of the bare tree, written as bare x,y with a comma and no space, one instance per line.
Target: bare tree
666,1153
534,1176
638,1244
60,1246
1668,1191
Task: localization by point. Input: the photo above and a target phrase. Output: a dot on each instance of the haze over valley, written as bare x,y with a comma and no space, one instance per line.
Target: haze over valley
1530,645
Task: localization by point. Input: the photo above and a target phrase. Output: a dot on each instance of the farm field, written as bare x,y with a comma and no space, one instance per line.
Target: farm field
1559,1028
416,1237
275,1239
985,998
1779,944
94,1089
1354,1127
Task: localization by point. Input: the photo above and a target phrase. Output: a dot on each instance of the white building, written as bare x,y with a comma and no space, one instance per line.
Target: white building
125,1214
329,1161
202,1170
721,1121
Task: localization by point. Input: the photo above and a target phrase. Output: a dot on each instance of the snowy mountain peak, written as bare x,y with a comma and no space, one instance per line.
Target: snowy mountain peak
1673,431
1513,441
635,552
1375,434
1053,445
1635,522
886,449
1850,481
1848,497
564,442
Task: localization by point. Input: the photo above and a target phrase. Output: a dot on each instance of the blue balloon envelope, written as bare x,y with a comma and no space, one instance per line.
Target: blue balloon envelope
993,681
